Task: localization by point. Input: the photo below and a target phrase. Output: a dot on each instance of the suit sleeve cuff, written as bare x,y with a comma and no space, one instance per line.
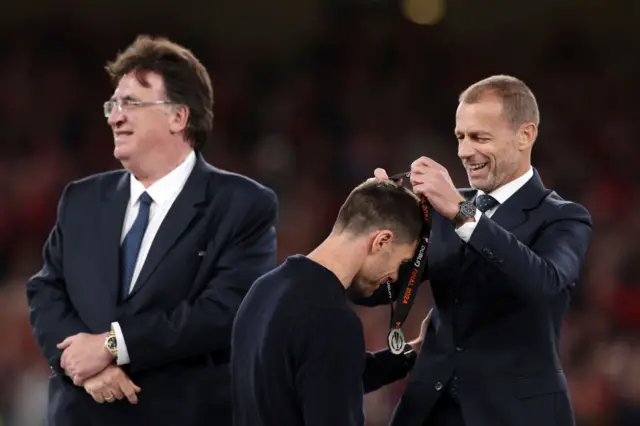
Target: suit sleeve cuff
123,354
465,231
410,356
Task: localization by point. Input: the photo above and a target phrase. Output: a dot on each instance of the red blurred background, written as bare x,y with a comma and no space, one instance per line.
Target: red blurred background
310,97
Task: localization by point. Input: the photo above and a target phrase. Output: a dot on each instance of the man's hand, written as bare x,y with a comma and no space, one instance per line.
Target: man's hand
111,384
381,174
433,181
417,342
84,355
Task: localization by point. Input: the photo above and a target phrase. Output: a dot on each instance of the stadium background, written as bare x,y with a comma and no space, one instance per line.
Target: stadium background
310,97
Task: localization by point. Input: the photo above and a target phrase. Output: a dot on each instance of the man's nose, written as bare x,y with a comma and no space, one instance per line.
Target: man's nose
116,117
465,150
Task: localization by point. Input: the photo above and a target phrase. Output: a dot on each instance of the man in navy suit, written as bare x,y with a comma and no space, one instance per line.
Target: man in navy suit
503,258
146,267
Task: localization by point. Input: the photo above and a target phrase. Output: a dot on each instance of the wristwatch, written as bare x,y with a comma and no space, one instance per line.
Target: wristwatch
111,344
466,211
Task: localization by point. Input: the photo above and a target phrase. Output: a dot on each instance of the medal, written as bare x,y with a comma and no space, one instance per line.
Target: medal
395,340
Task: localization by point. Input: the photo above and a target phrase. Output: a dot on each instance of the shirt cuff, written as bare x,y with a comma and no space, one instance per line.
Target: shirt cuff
123,354
466,230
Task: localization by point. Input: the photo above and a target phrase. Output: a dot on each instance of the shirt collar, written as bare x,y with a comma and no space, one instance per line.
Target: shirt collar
503,193
166,187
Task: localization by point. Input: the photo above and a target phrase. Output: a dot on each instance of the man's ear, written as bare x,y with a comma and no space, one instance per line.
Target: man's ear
381,239
179,119
527,136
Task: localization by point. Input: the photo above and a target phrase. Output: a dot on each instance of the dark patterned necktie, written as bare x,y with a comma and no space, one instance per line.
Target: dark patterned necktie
132,242
485,202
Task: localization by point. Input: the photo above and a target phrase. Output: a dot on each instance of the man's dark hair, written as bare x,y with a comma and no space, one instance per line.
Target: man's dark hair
381,205
186,80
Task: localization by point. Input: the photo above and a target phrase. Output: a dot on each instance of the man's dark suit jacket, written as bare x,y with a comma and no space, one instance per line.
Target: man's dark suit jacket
218,237
500,300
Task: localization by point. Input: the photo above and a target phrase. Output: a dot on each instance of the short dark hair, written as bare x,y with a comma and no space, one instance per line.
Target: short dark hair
381,205
186,80
518,102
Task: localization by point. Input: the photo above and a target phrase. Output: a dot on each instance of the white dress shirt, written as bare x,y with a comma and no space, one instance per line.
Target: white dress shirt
163,193
501,195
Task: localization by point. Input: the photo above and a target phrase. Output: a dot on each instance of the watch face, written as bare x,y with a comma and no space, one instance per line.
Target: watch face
467,209
111,343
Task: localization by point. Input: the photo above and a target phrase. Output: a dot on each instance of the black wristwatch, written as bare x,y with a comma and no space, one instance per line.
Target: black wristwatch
466,211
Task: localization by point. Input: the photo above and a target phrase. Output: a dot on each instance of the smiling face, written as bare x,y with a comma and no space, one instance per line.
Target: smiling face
147,130
137,130
492,151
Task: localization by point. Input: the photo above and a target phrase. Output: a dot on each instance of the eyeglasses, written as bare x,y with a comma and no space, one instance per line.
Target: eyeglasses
122,104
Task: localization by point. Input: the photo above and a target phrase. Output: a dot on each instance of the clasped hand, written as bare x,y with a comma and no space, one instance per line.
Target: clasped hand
88,363
110,384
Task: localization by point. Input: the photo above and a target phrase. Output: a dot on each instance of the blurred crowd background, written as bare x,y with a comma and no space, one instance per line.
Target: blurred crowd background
310,97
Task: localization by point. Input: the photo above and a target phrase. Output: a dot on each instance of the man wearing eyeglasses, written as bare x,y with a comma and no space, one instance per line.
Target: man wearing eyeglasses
145,267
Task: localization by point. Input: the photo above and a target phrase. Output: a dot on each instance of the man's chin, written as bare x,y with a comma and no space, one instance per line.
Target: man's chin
120,153
369,292
481,184
378,286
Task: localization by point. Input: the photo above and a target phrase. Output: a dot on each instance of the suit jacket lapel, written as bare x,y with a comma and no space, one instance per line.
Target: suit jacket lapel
180,215
109,226
512,213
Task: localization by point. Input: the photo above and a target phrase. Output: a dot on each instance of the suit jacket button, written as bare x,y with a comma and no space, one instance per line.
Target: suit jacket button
438,386
459,349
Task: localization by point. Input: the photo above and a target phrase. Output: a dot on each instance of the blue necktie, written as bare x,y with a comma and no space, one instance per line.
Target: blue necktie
132,242
485,202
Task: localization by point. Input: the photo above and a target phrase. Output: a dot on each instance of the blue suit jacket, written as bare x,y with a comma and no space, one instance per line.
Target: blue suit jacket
500,300
218,237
